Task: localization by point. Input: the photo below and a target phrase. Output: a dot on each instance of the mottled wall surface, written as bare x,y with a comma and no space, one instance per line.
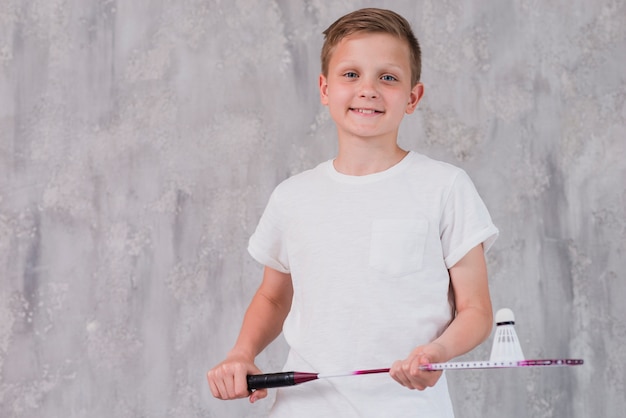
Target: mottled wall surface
140,139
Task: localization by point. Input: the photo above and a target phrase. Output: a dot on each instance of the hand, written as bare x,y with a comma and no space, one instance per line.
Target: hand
228,379
407,372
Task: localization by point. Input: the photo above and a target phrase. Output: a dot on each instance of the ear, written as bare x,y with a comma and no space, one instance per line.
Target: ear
414,98
323,89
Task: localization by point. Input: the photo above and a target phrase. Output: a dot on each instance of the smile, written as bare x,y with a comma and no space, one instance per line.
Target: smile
365,111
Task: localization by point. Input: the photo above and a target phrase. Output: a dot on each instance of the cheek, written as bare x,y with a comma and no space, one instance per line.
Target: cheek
337,92
404,103
339,98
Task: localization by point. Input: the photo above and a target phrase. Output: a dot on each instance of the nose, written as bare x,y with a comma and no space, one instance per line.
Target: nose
367,89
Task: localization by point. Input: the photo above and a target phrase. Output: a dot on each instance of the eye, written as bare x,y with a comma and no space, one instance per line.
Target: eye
388,77
351,74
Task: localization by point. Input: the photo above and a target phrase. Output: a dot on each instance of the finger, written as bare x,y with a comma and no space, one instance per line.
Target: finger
417,379
214,391
220,388
396,372
416,363
230,387
224,381
427,378
257,395
403,376
240,383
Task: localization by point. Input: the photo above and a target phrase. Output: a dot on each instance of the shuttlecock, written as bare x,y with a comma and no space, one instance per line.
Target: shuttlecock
506,346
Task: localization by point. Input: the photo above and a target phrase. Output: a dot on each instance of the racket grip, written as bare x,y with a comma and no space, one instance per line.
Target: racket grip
270,380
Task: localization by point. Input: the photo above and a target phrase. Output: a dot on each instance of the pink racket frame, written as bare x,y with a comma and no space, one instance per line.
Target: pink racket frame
460,365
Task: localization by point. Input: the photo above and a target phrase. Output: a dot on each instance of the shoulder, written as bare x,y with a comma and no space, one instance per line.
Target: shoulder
434,170
304,181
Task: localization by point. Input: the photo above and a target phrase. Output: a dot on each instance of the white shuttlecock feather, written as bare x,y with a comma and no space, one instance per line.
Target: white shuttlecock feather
506,345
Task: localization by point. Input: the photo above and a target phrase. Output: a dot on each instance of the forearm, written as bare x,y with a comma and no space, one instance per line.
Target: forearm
265,316
262,323
469,328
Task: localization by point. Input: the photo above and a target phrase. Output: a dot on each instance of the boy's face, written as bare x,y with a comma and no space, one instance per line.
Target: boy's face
368,86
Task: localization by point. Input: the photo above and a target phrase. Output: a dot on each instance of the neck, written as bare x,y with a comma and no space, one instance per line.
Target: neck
367,159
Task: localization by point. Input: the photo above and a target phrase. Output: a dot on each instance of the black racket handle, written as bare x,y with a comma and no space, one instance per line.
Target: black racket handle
270,380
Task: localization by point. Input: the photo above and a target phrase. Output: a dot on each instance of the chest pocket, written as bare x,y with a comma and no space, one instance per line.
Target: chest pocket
397,246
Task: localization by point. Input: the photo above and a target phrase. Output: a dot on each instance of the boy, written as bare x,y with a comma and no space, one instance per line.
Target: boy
373,259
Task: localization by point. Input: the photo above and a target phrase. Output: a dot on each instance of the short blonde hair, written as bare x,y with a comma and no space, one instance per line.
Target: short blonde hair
372,20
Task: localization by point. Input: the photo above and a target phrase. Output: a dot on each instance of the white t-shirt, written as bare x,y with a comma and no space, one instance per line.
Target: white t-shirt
369,259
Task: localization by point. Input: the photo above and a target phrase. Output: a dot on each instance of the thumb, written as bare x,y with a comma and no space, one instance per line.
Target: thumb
424,359
257,395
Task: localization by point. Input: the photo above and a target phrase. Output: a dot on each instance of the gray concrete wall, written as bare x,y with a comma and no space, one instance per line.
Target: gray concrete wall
139,142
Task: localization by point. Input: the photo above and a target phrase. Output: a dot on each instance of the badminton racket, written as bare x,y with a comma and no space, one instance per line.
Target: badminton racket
274,380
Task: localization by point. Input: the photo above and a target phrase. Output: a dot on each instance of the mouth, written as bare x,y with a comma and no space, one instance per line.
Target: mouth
366,111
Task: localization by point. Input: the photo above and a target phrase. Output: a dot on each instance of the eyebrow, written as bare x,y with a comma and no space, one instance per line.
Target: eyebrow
350,64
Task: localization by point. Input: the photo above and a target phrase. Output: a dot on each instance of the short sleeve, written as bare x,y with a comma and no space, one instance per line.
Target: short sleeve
267,245
465,221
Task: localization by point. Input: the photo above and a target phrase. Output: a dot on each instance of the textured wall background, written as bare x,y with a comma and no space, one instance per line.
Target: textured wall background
139,142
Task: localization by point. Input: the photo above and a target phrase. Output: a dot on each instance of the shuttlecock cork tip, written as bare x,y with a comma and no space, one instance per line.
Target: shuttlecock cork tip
506,346
505,316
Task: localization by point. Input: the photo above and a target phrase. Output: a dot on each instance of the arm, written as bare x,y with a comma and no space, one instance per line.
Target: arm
471,326
262,323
